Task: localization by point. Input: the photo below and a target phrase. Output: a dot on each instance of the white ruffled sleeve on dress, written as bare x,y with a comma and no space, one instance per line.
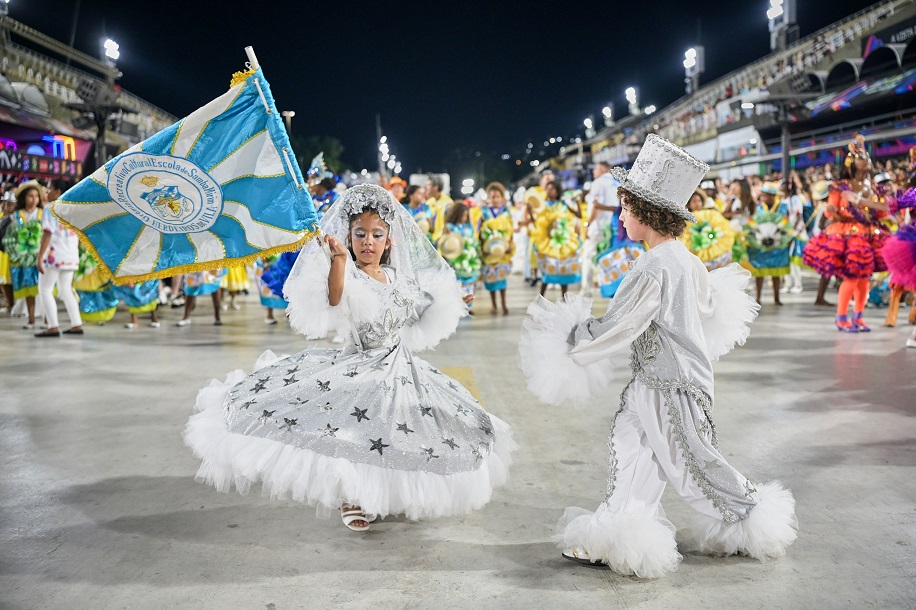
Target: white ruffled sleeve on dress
439,304
558,371
726,310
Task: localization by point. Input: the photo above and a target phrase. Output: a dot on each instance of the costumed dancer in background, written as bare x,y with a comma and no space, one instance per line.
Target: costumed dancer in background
438,202
801,212
269,298
603,206
140,298
7,206
769,240
711,238
459,247
58,260
739,209
556,241
900,253
614,261
370,429
677,319
97,298
533,201
234,282
820,190
422,214
496,244
21,242
202,283
850,247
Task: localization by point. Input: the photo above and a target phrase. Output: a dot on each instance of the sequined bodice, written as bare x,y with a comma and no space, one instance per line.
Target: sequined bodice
398,300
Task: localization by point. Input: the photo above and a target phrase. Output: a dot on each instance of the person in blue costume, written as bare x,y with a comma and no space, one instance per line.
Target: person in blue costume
460,248
324,195
142,297
496,231
615,259
769,240
269,298
198,284
422,214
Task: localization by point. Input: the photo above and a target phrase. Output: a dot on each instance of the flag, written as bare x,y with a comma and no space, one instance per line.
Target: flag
219,187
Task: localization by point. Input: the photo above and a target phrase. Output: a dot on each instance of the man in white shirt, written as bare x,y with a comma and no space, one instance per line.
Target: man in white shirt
602,202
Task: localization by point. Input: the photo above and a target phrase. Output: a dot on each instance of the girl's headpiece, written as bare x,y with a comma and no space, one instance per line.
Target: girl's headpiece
361,197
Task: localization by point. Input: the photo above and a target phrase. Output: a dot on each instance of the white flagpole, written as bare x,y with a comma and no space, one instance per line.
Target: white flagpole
252,58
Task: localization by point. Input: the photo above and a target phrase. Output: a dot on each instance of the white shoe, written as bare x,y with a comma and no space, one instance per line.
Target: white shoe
224,307
130,325
911,342
185,322
270,321
796,290
784,289
235,307
28,327
154,324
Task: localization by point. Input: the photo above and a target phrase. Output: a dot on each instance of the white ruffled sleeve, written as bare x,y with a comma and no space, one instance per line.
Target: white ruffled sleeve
565,352
726,310
440,306
310,312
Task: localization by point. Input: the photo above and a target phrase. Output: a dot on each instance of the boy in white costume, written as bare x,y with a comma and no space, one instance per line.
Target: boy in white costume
678,319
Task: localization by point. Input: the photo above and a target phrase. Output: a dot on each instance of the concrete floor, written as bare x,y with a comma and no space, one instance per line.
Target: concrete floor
99,509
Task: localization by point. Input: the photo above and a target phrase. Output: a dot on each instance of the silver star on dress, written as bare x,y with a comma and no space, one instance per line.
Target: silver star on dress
379,366
267,414
426,411
329,431
461,410
477,454
298,401
351,372
248,404
433,371
452,385
324,386
326,406
404,380
289,380
487,430
429,454
378,446
260,385
292,370
288,424
450,442
360,414
403,428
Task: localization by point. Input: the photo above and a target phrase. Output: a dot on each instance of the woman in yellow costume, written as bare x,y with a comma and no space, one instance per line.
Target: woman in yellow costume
556,240
711,238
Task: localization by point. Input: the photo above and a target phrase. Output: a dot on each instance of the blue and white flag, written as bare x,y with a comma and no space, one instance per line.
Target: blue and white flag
220,187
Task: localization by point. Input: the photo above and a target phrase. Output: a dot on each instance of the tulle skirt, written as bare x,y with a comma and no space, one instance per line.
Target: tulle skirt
847,250
900,256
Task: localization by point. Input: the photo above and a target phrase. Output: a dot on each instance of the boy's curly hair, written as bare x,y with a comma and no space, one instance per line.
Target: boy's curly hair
652,215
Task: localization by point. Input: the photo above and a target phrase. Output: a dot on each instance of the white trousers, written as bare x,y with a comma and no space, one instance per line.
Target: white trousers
648,458
64,281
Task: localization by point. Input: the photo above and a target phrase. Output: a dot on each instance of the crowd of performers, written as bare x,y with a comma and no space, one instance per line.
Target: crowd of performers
396,268
852,225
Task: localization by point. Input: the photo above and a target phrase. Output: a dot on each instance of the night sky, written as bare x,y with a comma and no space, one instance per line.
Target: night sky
487,75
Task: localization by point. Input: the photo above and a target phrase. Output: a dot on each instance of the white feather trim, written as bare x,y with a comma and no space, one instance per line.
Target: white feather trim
770,527
553,376
440,319
310,312
734,311
309,477
630,543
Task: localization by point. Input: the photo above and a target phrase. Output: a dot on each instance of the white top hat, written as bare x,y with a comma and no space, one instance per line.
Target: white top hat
663,174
